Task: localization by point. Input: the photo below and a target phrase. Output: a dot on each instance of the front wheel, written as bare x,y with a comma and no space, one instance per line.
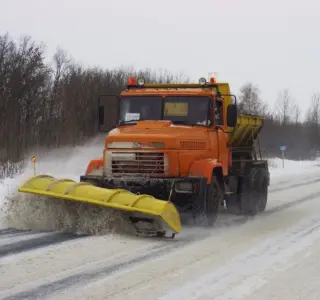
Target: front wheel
208,208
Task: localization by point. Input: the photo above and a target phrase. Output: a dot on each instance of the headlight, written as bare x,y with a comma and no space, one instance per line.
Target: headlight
127,156
183,187
158,144
140,81
202,81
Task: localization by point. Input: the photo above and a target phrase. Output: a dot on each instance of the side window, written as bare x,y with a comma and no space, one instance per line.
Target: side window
219,113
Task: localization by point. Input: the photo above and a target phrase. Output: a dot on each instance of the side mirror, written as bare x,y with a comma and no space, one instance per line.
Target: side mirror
101,116
232,115
108,112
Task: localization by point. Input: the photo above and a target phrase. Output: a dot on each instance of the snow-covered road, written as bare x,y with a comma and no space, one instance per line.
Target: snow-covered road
272,256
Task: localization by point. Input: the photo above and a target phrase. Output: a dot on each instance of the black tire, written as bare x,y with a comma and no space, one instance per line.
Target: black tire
263,190
207,210
253,191
233,203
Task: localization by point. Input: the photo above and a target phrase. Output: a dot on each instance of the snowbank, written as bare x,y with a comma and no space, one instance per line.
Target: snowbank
3,192
291,168
61,163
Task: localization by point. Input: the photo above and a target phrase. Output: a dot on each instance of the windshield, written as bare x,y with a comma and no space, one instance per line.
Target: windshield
188,110
137,108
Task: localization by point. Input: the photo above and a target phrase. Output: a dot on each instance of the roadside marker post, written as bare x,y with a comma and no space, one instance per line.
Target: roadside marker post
283,149
33,159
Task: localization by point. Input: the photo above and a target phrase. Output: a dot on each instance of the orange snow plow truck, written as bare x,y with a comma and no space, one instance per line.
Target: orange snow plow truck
179,153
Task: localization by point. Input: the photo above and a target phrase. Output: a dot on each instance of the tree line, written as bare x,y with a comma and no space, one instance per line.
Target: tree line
54,104
284,124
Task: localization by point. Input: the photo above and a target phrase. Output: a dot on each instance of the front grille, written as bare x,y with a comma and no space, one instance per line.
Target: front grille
138,163
193,145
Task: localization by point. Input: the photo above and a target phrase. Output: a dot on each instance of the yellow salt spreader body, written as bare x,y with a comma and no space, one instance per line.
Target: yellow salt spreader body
162,215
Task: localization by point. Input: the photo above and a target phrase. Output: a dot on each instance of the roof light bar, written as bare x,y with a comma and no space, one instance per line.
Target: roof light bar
132,81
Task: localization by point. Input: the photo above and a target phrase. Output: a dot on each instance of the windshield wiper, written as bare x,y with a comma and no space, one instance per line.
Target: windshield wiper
180,122
128,122
188,124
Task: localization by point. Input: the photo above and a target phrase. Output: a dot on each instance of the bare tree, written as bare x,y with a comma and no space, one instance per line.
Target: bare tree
285,107
312,125
250,101
313,113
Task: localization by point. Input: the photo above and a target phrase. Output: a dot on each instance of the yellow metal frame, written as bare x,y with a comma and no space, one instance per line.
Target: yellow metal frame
246,131
120,199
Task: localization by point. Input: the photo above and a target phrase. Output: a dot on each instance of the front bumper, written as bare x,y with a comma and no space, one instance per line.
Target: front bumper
159,188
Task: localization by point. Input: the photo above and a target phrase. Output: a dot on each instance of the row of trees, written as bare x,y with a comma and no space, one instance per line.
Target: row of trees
54,104
284,124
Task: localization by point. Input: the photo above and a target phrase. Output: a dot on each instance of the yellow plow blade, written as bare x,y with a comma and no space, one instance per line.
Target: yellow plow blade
162,212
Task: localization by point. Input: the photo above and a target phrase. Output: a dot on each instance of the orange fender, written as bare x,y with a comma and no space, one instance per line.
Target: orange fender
204,168
94,165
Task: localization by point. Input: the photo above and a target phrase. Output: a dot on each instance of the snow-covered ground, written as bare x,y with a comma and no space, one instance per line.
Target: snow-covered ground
271,256
291,168
62,163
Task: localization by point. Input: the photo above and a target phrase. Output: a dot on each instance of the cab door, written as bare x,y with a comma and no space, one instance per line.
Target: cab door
222,137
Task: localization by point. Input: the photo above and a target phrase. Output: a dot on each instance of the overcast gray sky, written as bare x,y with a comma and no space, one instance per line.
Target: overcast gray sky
274,44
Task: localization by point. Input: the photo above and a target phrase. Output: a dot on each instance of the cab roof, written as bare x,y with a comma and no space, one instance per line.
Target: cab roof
168,92
172,89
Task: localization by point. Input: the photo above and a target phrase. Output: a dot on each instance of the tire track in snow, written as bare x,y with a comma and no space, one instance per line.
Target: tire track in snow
96,273
11,231
240,220
234,220
35,243
247,277
279,189
281,182
10,235
160,250
12,239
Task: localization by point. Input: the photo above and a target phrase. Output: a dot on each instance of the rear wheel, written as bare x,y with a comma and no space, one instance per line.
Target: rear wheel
253,191
233,203
251,195
263,190
207,209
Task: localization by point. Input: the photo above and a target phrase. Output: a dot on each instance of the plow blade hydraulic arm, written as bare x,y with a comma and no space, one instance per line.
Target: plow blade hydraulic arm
147,207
